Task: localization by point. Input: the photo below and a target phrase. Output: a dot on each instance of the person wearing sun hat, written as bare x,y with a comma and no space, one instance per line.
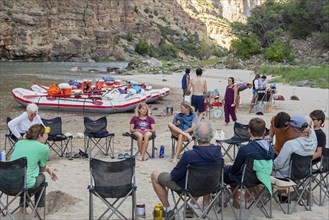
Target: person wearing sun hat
304,145
182,126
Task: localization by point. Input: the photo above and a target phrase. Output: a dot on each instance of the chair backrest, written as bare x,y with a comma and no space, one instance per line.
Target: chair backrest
55,125
7,121
12,176
300,166
249,177
241,131
325,160
97,126
113,179
204,180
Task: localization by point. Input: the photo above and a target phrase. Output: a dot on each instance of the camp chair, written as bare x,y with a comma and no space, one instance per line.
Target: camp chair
10,140
300,172
13,186
241,134
134,138
320,177
258,194
56,139
186,144
200,181
96,135
112,182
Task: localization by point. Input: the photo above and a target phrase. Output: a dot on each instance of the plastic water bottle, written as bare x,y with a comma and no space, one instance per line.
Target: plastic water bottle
161,154
3,156
157,213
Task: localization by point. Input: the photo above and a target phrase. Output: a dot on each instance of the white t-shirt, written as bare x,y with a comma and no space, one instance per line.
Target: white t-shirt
22,123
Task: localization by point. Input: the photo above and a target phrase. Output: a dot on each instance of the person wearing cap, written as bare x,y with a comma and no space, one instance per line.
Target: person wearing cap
19,125
318,118
182,126
303,145
186,82
281,130
37,154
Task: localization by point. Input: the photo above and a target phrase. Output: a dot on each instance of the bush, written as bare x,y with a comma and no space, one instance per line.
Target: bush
146,10
279,52
246,46
143,48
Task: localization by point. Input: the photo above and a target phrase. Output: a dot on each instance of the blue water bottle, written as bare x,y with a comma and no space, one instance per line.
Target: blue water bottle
161,153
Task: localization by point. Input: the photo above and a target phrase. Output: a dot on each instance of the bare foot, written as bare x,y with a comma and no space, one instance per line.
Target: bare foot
174,161
140,158
145,158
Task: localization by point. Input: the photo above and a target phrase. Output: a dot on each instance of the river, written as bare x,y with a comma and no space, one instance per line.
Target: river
24,74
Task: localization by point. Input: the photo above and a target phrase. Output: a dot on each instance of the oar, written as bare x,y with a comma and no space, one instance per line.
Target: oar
42,86
95,102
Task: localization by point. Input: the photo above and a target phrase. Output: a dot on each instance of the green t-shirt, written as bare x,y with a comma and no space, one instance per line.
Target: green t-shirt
37,156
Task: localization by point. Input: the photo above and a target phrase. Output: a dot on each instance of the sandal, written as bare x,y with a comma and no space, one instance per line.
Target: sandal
120,156
83,154
126,156
189,213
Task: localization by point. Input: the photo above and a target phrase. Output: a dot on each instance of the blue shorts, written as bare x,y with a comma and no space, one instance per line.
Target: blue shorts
198,103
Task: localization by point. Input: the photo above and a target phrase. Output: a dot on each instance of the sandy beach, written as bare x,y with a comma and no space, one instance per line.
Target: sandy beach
68,198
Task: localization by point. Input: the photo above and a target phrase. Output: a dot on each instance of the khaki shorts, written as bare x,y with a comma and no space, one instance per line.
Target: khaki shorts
165,180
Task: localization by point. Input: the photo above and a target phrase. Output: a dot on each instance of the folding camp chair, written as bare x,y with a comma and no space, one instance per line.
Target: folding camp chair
134,138
200,181
186,144
10,140
257,192
13,186
241,134
320,178
96,135
300,171
56,139
112,182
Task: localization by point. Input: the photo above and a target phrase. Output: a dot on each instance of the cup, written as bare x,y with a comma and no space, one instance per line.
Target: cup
47,130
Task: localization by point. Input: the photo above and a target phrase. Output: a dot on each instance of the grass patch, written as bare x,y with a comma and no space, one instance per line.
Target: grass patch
317,75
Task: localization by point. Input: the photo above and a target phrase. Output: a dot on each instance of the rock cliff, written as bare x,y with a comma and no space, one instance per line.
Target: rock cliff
75,30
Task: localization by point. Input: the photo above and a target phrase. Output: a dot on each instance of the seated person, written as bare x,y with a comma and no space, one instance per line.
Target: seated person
318,118
142,125
183,126
304,145
37,153
19,125
281,130
204,154
258,149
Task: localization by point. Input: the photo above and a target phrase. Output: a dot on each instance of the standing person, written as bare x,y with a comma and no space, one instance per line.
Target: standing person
239,87
318,118
37,153
204,154
229,101
258,149
19,125
198,87
142,125
282,131
254,91
185,82
182,127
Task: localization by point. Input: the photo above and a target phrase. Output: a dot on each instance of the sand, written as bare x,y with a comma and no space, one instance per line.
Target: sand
68,198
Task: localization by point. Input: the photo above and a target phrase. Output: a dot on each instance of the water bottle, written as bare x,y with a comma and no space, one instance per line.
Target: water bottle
3,155
157,213
161,154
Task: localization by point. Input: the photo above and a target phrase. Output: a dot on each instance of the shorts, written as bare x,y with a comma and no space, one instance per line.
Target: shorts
255,92
198,103
165,180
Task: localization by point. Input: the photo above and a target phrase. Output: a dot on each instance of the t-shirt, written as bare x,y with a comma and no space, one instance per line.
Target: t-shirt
321,137
281,136
37,156
22,123
142,123
242,86
185,80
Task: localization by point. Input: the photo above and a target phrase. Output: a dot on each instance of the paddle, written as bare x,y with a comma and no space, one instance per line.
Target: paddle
42,86
67,97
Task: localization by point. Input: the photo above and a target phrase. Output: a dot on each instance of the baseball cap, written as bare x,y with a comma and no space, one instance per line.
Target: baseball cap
298,122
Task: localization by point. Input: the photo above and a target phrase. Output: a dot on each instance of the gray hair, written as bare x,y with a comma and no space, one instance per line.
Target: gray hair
204,132
32,108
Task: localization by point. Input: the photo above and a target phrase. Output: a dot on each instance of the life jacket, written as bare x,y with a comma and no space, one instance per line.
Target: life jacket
54,90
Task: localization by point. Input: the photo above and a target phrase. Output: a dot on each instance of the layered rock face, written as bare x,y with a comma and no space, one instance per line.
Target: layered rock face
75,30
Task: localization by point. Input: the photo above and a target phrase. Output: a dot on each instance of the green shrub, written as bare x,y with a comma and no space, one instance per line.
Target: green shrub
136,9
155,12
129,37
246,46
146,10
142,48
150,16
279,52
9,12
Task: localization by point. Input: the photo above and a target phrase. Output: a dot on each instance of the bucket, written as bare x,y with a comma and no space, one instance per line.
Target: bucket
170,110
67,91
